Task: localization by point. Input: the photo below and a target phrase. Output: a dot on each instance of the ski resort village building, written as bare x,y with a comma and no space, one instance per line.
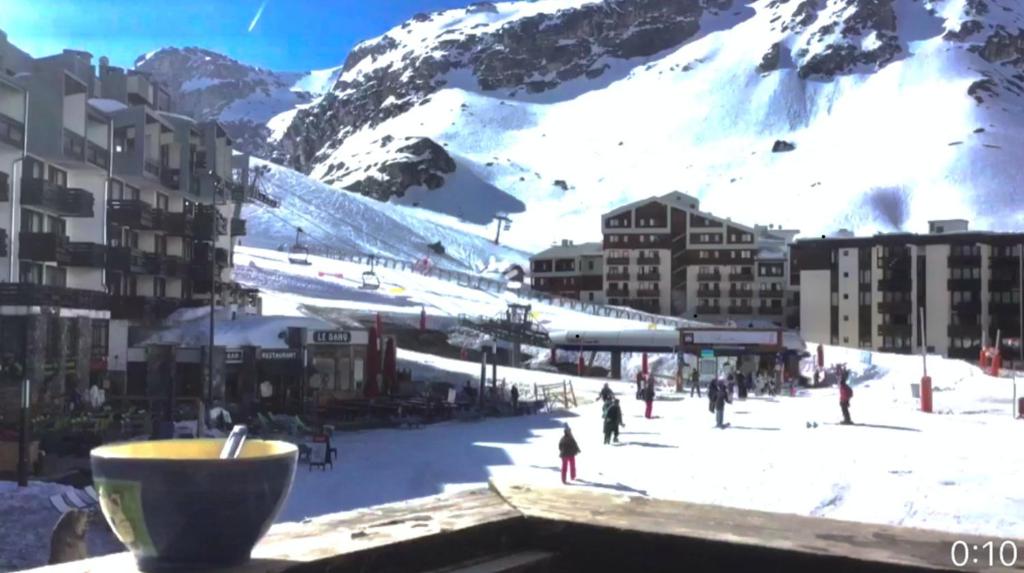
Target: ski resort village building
868,292
665,255
114,213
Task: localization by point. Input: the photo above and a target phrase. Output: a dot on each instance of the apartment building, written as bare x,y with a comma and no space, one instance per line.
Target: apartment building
569,270
114,213
869,292
665,255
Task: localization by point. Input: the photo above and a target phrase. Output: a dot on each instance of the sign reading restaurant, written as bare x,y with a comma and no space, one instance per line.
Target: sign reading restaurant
283,354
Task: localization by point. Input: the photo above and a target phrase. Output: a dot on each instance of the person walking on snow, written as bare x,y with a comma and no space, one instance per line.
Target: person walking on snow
567,450
718,397
741,385
648,395
694,382
845,394
606,393
515,399
613,421
639,384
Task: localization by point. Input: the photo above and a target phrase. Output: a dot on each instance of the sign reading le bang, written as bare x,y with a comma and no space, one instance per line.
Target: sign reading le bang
332,337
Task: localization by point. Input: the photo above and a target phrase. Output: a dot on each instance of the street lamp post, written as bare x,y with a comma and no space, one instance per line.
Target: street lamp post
23,462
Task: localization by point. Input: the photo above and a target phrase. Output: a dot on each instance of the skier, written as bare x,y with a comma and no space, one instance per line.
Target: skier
639,384
567,450
845,394
741,385
721,396
515,399
606,393
694,382
613,421
648,396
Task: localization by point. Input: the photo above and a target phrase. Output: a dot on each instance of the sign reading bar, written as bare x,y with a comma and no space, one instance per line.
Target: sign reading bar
332,337
233,356
282,354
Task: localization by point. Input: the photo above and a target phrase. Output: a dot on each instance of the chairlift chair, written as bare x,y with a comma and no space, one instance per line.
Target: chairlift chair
298,254
370,279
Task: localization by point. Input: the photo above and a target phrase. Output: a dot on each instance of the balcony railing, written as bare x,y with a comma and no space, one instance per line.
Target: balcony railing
648,260
996,309
973,307
170,178
152,263
203,230
899,283
745,277
709,293
97,155
709,309
618,260
74,146
126,260
152,166
4,250
43,247
964,260
741,309
238,227
772,294
617,292
12,131
649,276
963,284
1004,262
617,276
69,202
648,293
181,224
1003,284
5,187
897,307
771,310
26,294
91,255
174,266
964,331
709,276
740,293
132,213
897,330
201,255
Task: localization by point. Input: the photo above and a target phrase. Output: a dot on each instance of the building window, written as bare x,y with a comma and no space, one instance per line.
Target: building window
590,296
865,298
162,201
159,287
100,337
116,189
835,299
846,340
846,318
846,296
31,221
613,239
846,252
31,273
56,276
846,275
57,176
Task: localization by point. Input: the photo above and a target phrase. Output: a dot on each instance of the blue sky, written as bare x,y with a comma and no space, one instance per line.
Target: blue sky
290,35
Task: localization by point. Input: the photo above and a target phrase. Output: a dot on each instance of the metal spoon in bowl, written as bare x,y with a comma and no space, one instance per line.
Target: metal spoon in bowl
233,445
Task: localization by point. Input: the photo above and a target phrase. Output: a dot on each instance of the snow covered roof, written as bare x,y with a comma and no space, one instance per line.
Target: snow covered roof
192,329
107,105
580,250
674,199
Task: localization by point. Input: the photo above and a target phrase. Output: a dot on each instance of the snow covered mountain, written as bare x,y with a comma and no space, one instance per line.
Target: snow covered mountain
248,100
352,224
894,112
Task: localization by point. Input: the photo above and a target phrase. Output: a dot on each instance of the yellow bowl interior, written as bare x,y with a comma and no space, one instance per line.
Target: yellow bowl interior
192,449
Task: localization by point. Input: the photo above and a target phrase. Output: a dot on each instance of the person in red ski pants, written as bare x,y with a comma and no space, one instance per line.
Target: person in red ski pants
567,450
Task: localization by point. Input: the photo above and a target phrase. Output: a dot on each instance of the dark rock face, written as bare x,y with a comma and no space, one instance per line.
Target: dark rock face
535,54
1001,46
415,162
860,18
561,184
986,86
781,146
771,58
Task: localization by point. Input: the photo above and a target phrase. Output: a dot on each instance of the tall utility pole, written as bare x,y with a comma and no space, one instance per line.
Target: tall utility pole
213,287
503,220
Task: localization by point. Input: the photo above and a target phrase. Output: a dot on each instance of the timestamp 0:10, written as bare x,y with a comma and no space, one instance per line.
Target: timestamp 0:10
989,554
